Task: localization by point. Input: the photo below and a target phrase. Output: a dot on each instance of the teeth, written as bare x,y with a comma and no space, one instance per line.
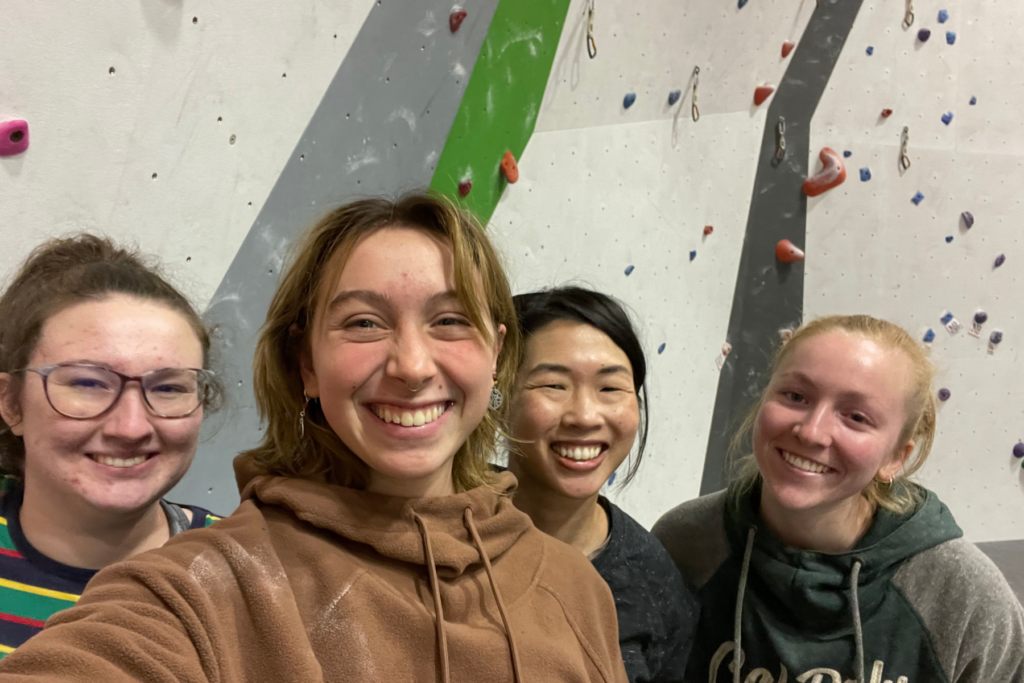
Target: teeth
803,464
120,462
416,418
587,453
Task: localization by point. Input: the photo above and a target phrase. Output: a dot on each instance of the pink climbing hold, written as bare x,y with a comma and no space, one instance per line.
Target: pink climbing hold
455,18
787,47
13,137
833,173
787,252
762,92
464,187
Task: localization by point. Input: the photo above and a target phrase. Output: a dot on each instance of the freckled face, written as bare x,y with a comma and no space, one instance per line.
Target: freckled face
402,375
830,421
575,407
132,336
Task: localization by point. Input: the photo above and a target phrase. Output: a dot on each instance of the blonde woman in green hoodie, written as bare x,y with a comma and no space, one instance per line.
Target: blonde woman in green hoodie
823,562
373,542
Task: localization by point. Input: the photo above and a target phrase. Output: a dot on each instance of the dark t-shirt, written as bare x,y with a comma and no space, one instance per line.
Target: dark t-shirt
657,611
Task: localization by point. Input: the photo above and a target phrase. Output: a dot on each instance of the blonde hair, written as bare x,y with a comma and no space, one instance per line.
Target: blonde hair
901,496
318,259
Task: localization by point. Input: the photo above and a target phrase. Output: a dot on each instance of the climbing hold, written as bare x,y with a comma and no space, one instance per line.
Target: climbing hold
949,238
943,16
509,167
1018,450
13,137
629,270
693,254
917,198
720,359
833,173
629,99
464,187
661,349
674,96
708,229
944,394
787,47
742,3
847,153
455,18
979,321
974,100
968,218
611,479
870,50
947,117
762,92
787,252
923,35
951,324
993,341
886,113
929,336
950,37
865,174
1000,260
785,334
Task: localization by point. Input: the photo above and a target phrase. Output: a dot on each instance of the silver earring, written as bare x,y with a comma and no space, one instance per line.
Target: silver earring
302,416
496,398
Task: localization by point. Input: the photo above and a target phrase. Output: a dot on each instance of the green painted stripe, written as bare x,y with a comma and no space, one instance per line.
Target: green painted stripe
29,605
502,100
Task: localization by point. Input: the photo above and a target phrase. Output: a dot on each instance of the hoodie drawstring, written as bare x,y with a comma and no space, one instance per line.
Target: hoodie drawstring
858,634
442,638
737,629
468,520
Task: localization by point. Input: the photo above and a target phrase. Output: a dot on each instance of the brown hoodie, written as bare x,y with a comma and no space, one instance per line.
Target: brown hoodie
310,582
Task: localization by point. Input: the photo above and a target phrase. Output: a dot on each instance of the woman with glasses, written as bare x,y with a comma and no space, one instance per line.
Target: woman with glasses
103,388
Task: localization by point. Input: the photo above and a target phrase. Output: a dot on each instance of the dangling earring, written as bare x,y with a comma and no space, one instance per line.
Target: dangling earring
496,398
302,416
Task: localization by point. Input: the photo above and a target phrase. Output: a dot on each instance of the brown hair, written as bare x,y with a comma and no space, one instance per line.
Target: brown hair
901,495
61,273
318,259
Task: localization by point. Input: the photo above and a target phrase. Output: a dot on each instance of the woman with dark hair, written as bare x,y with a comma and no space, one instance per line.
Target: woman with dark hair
578,403
104,380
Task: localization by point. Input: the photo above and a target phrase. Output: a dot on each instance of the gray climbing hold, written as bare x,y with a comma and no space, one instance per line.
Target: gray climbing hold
968,218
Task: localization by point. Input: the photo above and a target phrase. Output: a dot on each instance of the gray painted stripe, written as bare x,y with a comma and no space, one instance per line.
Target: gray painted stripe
379,129
768,294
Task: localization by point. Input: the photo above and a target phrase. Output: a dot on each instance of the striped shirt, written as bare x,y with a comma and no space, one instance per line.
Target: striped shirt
33,586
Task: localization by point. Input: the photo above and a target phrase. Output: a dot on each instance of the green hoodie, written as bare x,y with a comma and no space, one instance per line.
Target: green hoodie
911,603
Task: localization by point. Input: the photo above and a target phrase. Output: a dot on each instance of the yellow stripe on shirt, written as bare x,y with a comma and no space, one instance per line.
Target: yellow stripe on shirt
3,521
6,650
45,592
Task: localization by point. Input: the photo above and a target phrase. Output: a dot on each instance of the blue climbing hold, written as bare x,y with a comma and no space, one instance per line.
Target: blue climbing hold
949,238
974,100
661,349
924,34
865,174
950,37
968,218
947,117
946,319
917,199
1018,450
611,479
943,16
674,96
1000,260
629,270
693,254
628,100
847,153
870,50
929,336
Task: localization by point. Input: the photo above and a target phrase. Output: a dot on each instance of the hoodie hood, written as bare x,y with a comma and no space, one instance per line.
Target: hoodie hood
389,525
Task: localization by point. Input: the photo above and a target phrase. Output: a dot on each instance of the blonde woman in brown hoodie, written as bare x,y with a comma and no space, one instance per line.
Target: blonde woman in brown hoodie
373,543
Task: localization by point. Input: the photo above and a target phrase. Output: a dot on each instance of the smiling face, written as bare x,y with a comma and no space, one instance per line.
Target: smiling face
830,422
402,375
575,407
126,459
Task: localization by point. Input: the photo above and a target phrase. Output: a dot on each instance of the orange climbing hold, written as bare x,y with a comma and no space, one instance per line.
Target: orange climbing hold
762,92
787,252
833,173
509,167
787,47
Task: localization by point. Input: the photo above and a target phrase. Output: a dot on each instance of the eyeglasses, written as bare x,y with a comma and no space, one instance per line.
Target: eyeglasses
82,392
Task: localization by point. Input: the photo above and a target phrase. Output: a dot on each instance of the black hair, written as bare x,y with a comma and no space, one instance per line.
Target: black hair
536,310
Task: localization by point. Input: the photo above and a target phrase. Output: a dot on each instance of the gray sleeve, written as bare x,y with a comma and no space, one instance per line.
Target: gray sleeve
975,620
694,535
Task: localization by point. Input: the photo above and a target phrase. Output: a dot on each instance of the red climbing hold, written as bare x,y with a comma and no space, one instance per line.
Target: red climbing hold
886,113
13,137
509,168
455,18
464,187
787,252
833,173
708,229
762,92
787,47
